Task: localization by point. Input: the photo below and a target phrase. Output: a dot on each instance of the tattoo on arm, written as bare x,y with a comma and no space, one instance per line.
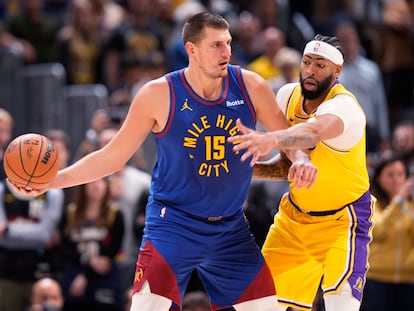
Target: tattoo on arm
277,170
296,141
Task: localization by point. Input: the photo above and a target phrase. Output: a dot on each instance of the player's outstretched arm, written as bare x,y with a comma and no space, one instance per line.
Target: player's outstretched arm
300,136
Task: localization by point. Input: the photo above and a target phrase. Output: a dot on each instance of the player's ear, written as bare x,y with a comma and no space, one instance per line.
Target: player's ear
189,47
338,71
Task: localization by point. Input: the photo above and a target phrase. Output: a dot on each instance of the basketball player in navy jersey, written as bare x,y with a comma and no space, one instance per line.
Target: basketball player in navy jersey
194,216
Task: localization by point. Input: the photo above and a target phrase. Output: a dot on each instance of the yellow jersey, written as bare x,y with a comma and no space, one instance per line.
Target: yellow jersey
341,162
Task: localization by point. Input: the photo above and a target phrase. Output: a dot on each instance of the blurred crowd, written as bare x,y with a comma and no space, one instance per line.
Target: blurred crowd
87,238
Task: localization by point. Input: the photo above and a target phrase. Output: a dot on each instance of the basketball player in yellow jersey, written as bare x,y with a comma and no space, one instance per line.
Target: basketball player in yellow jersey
321,233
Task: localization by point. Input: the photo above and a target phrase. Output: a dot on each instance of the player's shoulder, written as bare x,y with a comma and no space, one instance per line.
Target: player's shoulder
285,91
253,81
159,84
154,90
288,87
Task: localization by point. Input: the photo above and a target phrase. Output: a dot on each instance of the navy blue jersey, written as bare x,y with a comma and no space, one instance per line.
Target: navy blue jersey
197,171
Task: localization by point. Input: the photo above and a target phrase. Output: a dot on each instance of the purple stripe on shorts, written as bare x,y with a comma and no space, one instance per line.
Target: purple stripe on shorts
361,223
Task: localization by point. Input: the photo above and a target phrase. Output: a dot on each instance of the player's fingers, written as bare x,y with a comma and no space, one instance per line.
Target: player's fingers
299,181
311,178
242,129
234,139
25,190
246,155
12,184
298,177
238,138
243,144
254,160
306,178
292,173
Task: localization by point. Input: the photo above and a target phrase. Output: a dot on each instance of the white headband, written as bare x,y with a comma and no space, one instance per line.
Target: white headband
325,50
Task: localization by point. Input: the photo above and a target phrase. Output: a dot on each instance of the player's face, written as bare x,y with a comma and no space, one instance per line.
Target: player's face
213,52
317,75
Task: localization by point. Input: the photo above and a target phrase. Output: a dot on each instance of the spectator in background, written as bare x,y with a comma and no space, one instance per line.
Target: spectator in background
176,55
6,130
57,10
246,47
110,15
363,78
325,14
61,141
35,28
394,46
156,67
288,61
17,46
139,34
402,142
164,15
92,230
273,41
27,224
99,121
80,46
272,13
389,283
46,296
134,73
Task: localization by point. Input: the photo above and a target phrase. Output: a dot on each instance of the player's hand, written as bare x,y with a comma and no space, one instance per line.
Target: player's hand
302,172
25,191
257,144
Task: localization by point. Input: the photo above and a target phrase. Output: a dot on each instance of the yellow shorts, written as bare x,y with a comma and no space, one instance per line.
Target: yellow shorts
304,251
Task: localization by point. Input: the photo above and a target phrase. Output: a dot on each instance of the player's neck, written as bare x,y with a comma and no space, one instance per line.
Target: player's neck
310,105
206,87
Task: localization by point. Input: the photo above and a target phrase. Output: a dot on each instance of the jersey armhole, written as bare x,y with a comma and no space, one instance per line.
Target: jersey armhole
245,92
167,126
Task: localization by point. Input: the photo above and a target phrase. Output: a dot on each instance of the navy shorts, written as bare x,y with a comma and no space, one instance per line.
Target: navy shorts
222,250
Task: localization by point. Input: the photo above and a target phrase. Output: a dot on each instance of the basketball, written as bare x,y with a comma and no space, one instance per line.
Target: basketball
31,161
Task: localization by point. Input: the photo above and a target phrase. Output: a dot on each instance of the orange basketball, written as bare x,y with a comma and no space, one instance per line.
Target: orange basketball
31,160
